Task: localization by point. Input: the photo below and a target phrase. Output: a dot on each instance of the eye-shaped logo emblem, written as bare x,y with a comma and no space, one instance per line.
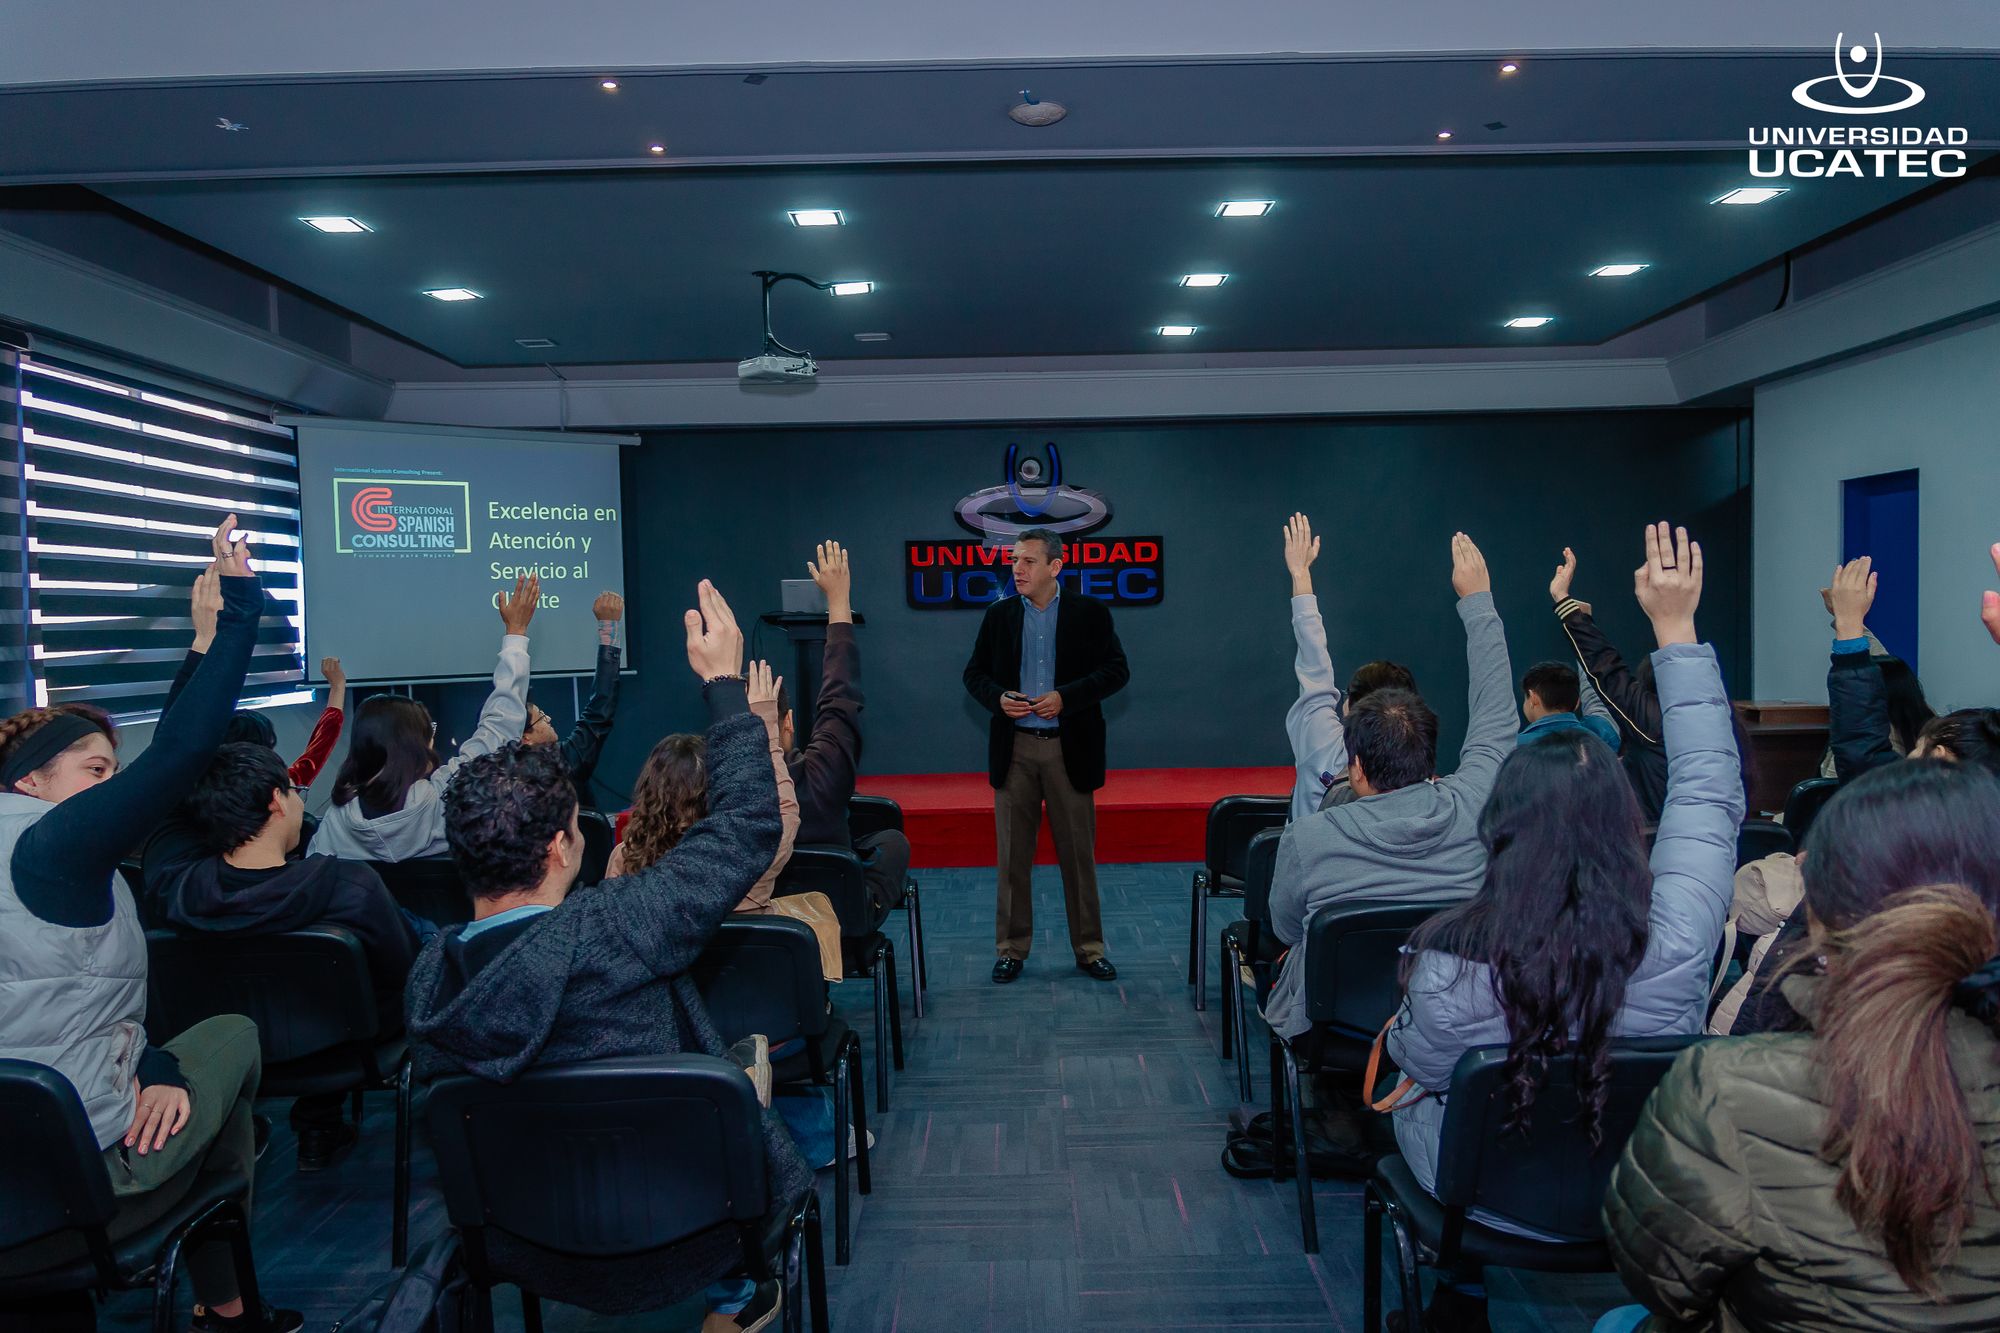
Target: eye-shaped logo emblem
1858,89
1032,495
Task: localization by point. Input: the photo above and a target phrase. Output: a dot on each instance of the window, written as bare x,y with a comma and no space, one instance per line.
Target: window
123,483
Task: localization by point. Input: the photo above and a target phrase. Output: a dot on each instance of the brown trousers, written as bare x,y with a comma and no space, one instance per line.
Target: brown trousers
1036,777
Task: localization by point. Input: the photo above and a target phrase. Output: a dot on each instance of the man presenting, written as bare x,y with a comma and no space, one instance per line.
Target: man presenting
1042,665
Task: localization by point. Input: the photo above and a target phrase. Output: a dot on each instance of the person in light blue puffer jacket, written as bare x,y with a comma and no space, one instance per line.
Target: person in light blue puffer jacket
1570,895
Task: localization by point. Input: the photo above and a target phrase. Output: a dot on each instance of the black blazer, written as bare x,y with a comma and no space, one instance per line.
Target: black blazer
1090,667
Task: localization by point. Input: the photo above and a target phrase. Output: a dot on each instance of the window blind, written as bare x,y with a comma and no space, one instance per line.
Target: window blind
124,482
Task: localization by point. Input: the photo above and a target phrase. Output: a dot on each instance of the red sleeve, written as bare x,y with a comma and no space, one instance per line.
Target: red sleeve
325,733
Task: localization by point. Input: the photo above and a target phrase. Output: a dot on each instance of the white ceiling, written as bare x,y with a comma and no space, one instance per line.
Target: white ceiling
58,41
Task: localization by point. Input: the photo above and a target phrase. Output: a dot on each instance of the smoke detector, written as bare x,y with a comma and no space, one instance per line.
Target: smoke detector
1034,112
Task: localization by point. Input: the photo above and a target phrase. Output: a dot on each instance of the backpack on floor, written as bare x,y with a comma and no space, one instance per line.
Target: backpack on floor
1248,1154
434,1294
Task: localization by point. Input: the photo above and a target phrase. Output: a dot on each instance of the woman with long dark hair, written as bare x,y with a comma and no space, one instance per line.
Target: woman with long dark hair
1575,937
1842,1176
388,795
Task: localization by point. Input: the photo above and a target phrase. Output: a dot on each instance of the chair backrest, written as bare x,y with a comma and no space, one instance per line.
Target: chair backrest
1807,799
602,1158
598,840
429,886
53,1178
1759,838
869,815
307,990
1354,951
1232,822
1549,1177
838,873
1260,863
762,974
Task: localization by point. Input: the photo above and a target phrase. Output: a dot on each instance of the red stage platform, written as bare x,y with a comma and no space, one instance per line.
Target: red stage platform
1143,814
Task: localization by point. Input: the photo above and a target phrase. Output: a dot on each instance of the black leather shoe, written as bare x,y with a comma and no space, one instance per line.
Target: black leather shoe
1006,970
1098,969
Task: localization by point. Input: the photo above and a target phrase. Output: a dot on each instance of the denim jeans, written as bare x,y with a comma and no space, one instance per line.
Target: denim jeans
810,1119
729,1295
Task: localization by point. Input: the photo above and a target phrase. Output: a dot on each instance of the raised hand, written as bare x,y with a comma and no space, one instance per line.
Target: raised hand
834,578
1849,597
714,643
232,558
518,607
205,607
608,606
330,667
762,685
1989,605
1668,585
1301,549
1559,583
1468,567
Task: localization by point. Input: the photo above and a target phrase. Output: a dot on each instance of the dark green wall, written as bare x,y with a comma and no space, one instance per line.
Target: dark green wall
1211,666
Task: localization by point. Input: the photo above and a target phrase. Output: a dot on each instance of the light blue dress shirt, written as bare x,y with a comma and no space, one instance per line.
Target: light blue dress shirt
1038,656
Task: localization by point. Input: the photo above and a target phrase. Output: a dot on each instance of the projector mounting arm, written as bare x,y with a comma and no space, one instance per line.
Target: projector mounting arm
770,279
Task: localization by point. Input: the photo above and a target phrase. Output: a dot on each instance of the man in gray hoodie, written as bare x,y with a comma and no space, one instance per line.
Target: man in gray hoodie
1409,835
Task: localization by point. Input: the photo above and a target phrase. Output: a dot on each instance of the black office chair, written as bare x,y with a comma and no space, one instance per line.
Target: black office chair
598,840
762,974
865,952
1759,838
1548,1178
1353,956
1249,943
54,1181
428,886
1232,822
613,1158
869,815
1804,803
310,995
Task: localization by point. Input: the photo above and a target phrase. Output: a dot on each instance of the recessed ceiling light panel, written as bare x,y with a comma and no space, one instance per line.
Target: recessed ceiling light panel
1177,330
871,337
852,288
1530,321
535,344
1749,194
817,217
1244,208
1203,279
451,294
1618,270
337,226
608,85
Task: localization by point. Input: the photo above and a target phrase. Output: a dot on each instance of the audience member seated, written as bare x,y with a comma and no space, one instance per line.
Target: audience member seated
73,954
1313,723
671,797
585,742
823,770
388,795
1839,1176
1574,939
541,976
1862,720
226,866
1632,695
1909,825
1407,835
1554,698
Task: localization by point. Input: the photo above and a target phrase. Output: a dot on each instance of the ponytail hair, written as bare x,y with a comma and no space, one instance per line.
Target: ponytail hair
1897,1123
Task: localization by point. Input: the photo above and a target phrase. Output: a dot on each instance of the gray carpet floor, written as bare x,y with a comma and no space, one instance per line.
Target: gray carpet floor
1050,1161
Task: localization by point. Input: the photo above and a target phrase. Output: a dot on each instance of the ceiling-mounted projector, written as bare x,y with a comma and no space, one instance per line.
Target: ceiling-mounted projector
777,370
779,364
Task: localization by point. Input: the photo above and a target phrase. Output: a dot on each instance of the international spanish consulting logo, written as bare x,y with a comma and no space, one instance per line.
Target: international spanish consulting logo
401,517
1857,87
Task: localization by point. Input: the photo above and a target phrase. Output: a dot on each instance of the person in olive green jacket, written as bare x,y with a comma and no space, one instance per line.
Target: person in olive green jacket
1843,1177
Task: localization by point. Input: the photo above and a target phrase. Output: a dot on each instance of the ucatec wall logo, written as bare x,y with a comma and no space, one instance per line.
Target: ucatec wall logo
1857,88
